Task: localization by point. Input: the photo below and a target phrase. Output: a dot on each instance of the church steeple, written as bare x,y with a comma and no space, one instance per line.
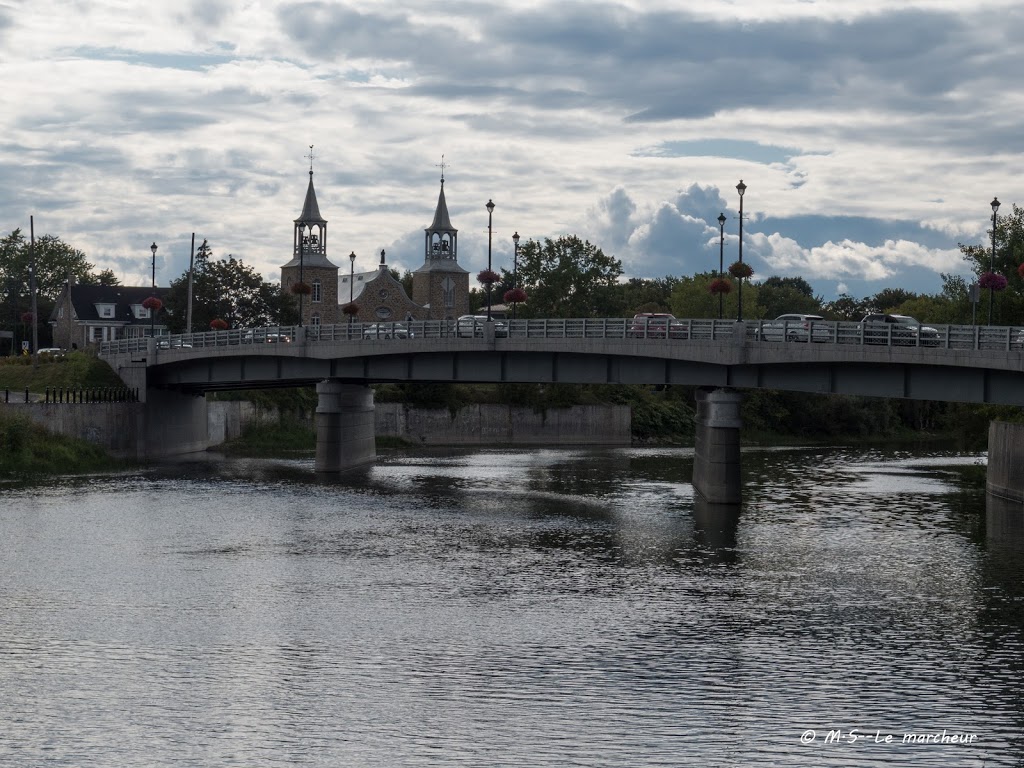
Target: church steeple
309,244
442,238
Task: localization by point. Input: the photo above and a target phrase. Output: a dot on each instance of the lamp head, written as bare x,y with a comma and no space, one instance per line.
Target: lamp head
515,238
153,248
995,205
352,257
721,219
490,206
741,187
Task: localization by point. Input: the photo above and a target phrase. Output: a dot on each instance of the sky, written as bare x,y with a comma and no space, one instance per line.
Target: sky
871,135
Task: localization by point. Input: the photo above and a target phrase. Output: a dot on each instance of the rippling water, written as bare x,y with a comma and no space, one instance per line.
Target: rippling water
513,608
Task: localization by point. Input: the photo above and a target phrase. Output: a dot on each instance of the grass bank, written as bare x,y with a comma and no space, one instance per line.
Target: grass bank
74,370
27,450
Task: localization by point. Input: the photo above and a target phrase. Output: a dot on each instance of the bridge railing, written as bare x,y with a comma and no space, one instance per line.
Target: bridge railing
996,338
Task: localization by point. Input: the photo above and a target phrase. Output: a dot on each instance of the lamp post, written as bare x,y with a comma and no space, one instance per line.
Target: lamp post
992,258
152,310
490,213
741,188
351,276
721,262
303,240
515,269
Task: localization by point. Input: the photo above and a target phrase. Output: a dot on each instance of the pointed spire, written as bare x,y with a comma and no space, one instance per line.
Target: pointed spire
310,210
441,221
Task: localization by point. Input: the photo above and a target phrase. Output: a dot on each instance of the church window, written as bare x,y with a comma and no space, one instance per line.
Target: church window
317,289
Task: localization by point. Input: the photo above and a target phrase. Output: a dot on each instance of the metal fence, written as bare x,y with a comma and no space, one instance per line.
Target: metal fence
648,330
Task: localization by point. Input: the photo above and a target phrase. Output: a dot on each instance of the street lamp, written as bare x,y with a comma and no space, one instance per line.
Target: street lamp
721,256
351,276
741,188
992,258
515,269
152,310
490,213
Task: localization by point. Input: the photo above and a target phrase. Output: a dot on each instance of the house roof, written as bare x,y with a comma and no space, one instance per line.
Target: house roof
84,299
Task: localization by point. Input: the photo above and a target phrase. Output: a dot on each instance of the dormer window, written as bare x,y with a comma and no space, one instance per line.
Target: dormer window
140,312
105,311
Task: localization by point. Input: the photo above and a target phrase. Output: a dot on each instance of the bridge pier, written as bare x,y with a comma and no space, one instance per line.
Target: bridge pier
716,455
345,428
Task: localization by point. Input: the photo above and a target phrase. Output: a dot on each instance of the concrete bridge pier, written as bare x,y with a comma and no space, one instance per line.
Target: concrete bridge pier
716,456
345,428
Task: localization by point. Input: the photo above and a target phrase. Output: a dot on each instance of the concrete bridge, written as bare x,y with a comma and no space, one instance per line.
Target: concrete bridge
978,364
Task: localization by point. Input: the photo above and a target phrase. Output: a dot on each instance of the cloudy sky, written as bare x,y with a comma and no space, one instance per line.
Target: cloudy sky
871,135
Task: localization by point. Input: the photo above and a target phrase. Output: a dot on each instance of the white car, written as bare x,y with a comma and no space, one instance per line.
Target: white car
794,327
473,326
387,331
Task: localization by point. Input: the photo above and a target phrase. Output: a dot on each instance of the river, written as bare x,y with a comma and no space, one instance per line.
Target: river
514,608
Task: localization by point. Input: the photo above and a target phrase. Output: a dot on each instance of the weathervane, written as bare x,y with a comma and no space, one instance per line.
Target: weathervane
310,156
442,168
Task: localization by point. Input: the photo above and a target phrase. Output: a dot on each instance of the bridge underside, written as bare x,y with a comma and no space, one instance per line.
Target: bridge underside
892,380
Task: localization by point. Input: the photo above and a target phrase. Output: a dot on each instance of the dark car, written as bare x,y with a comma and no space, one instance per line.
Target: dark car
656,325
899,330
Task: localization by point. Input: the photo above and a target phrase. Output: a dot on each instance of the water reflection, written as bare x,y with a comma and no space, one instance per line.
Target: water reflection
511,608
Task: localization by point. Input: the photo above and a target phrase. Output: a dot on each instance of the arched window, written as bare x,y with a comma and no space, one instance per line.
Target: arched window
316,291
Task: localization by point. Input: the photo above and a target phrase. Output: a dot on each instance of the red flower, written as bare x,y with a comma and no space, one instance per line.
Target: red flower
302,289
153,303
487,277
218,324
992,281
720,285
1020,270
27,317
739,269
514,296
351,309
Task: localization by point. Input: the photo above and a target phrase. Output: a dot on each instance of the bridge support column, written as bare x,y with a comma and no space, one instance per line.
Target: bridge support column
345,430
716,456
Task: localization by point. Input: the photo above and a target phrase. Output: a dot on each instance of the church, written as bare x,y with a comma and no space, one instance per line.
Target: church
440,287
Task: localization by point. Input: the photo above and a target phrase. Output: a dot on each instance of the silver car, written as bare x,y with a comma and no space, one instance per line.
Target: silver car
387,331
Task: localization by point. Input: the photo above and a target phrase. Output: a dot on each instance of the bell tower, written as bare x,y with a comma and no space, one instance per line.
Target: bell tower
310,276
441,285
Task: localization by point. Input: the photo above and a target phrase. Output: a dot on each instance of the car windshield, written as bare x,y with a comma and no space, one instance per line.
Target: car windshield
904,320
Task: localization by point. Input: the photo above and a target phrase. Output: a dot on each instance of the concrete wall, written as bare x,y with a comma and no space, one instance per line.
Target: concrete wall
502,424
1005,477
113,426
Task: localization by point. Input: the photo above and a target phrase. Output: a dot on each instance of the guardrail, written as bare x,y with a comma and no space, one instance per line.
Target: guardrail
1007,338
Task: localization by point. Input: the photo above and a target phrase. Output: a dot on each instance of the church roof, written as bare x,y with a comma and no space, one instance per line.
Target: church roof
310,210
441,221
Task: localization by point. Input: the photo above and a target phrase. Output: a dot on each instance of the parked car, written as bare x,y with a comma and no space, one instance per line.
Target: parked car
387,331
794,327
473,326
656,325
879,328
172,344
266,337
51,352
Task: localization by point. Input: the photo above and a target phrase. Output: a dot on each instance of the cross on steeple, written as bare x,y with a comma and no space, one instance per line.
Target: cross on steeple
442,164
310,156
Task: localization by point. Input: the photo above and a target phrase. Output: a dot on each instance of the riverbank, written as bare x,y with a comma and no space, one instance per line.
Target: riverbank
28,450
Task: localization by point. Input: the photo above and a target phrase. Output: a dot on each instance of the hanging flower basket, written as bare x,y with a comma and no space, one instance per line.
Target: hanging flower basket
514,296
302,289
351,309
27,317
740,269
1020,270
992,281
153,304
488,277
720,285
218,324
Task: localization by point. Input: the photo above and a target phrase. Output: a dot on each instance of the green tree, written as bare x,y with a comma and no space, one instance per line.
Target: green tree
55,261
229,290
784,295
692,298
845,307
567,277
1008,305
889,299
